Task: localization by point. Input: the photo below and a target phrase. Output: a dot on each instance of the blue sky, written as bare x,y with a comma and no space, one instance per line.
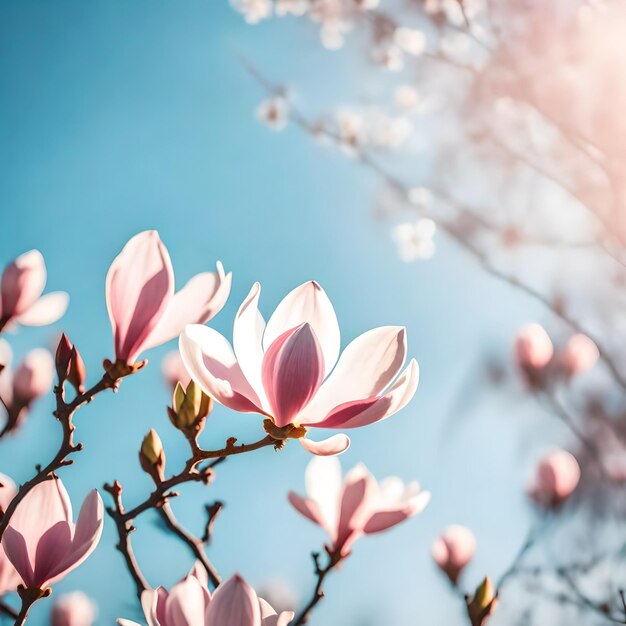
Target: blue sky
120,116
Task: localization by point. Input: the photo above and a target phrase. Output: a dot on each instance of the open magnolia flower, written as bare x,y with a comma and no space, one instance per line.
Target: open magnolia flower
356,506
143,308
279,369
189,603
9,578
21,302
42,541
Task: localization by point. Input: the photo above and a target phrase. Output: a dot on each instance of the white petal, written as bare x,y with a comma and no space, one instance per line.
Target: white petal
47,310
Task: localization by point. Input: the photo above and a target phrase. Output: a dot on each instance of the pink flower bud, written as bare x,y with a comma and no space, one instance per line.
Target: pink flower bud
33,377
73,609
556,477
453,550
579,355
533,351
63,357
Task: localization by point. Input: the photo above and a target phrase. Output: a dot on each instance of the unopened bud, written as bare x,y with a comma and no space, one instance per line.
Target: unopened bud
63,358
483,603
533,353
579,355
152,456
78,372
190,408
453,550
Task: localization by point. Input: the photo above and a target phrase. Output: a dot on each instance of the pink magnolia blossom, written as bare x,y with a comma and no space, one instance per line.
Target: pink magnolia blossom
73,609
9,578
23,282
453,550
42,541
189,603
174,370
31,380
282,369
143,308
556,477
533,347
579,355
356,506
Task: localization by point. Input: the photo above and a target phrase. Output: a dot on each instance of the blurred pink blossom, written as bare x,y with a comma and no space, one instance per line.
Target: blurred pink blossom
278,369
9,578
73,609
533,351
579,355
143,308
274,113
42,541
189,603
555,478
23,282
453,550
356,506
174,370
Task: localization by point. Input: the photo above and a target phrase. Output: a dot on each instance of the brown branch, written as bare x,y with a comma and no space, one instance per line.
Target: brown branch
124,529
196,545
318,592
64,413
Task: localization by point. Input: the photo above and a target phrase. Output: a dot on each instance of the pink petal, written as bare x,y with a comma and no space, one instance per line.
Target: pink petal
186,604
337,444
153,603
357,414
354,500
234,603
293,370
324,485
16,550
307,303
22,282
9,578
34,376
47,310
139,286
87,532
269,617
196,303
45,505
248,332
306,507
52,550
384,519
211,363
365,369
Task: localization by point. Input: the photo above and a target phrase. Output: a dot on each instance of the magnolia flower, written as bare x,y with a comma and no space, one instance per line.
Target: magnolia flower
357,506
143,308
31,380
174,370
278,369
274,113
579,355
453,550
556,477
415,239
533,350
189,603
23,281
73,609
42,541
9,578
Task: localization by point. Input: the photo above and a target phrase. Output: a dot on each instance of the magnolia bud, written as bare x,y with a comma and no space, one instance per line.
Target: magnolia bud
190,408
63,357
152,456
73,609
482,605
579,355
453,550
78,372
533,352
556,477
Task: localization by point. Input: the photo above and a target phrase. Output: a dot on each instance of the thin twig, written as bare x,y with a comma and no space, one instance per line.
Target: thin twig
318,592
